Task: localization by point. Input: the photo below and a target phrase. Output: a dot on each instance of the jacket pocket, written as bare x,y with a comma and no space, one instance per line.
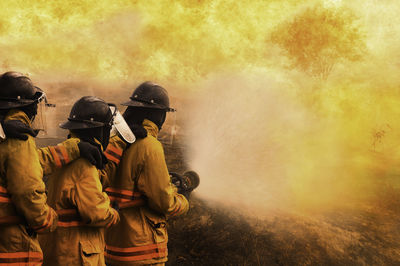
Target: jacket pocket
158,227
91,253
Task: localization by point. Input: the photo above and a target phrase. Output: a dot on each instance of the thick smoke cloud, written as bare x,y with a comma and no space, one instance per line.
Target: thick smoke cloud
262,131
258,144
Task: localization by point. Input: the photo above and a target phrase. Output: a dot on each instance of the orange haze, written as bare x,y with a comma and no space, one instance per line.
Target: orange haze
287,103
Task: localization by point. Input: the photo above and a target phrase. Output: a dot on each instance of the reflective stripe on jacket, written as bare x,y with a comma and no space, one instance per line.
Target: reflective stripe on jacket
125,198
75,192
113,153
23,207
54,157
141,236
21,258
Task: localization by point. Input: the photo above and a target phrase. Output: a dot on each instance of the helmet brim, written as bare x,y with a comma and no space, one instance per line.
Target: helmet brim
12,104
147,105
80,124
9,103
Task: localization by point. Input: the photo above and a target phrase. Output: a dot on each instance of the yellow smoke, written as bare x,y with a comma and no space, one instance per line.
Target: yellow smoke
263,124
166,40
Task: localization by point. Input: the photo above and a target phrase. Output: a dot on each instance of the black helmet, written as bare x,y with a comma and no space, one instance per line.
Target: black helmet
89,112
150,95
17,90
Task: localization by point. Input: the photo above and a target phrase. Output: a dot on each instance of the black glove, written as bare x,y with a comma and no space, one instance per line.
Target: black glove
139,131
15,129
181,184
91,151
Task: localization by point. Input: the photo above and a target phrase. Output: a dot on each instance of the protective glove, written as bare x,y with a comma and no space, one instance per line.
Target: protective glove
91,151
15,129
181,184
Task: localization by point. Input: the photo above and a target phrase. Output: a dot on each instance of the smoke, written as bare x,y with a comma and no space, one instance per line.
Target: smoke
261,130
263,144
238,127
275,138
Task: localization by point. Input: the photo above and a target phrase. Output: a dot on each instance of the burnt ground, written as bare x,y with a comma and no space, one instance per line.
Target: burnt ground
367,234
216,236
212,234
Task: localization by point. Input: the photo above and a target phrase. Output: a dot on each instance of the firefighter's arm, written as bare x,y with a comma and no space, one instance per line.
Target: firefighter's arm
53,157
93,204
24,178
114,154
156,184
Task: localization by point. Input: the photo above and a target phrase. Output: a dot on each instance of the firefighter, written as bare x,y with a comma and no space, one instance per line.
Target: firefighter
53,157
75,192
142,187
23,208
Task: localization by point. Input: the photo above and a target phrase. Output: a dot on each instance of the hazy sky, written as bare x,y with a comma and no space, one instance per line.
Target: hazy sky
259,124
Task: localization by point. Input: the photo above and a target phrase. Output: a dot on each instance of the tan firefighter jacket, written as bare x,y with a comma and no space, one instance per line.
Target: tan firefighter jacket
75,192
23,208
146,198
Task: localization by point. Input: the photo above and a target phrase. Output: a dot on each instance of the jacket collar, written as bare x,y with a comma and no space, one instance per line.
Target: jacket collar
151,128
15,114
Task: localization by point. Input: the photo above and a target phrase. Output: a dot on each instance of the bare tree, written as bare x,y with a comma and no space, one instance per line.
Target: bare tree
318,38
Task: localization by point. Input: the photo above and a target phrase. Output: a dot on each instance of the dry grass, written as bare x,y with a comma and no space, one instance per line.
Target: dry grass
366,234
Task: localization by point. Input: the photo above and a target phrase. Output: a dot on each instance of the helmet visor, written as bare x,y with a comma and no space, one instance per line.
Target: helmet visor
9,103
120,126
42,122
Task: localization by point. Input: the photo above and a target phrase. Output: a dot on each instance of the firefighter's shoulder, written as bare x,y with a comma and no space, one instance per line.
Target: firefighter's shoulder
148,145
80,168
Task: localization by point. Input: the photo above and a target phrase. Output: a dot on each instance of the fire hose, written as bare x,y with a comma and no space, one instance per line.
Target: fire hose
185,183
